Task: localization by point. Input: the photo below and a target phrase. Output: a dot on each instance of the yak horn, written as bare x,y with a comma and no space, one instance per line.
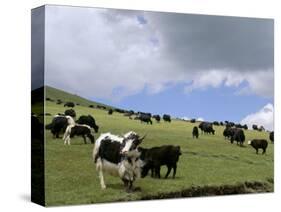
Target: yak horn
142,137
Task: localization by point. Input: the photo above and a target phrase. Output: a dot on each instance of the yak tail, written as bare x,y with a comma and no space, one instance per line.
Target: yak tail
49,126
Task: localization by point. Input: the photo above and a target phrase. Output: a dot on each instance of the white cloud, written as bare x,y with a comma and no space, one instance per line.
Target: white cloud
258,83
200,119
264,117
115,53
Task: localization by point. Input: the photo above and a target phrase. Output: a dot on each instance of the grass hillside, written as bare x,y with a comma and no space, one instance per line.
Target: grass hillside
209,165
55,94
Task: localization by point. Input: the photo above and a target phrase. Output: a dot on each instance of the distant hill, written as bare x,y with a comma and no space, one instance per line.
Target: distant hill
55,94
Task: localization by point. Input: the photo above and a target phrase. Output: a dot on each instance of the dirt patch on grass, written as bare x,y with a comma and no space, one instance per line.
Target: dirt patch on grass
199,191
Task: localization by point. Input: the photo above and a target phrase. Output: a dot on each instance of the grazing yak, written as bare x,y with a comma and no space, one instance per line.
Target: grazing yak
70,112
230,124
167,117
206,127
154,158
228,132
145,118
245,126
101,107
239,126
195,132
69,104
78,130
192,120
261,128
119,110
110,111
49,99
157,118
128,113
59,102
118,156
258,144
58,124
88,120
255,127
271,136
238,136
91,106
216,123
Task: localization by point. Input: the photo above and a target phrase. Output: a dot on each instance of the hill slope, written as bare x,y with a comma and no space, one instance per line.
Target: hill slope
55,94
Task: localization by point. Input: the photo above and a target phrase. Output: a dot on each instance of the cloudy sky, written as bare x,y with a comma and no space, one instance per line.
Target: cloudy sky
212,67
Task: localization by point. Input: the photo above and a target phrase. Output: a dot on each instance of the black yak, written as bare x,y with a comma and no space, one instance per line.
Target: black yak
216,123
157,118
70,112
195,132
145,118
255,127
228,132
167,117
69,104
155,157
192,120
238,136
59,102
110,111
88,120
58,124
206,127
258,144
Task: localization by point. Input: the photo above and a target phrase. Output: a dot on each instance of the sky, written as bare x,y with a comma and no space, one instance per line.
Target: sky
190,66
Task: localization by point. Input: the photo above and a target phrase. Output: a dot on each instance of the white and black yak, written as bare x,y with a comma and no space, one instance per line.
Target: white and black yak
258,144
78,130
118,156
154,158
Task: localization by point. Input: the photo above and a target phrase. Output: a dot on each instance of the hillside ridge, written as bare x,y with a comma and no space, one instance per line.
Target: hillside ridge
55,94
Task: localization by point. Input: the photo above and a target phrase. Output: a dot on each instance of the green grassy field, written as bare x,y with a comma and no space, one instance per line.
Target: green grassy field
211,160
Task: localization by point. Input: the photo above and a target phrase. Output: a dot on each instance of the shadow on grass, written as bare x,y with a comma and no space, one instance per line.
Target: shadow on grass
115,186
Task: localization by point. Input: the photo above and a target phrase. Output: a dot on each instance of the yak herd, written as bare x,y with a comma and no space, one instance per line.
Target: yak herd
122,156
234,132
